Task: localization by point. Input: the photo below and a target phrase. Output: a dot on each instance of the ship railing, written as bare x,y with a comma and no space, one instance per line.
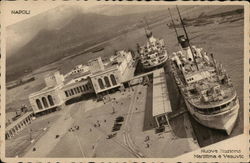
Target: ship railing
218,109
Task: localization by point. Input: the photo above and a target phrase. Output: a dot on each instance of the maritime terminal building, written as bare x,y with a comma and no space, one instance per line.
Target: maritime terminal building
98,77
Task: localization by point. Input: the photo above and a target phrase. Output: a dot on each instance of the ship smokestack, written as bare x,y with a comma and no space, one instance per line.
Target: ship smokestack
183,41
187,39
185,48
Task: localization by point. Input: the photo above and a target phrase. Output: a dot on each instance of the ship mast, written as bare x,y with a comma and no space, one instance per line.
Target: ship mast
173,24
187,37
146,22
148,33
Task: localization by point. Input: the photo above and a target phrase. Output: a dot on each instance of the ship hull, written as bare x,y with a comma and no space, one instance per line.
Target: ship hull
222,121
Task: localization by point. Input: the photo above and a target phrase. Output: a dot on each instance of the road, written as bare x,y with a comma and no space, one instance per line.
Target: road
126,131
48,141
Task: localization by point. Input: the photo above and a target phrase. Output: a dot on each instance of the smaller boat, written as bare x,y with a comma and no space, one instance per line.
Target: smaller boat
154,52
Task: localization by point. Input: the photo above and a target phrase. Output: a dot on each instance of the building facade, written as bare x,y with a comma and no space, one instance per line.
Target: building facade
18,125
106,80
112,75
76,89
50,97
97,78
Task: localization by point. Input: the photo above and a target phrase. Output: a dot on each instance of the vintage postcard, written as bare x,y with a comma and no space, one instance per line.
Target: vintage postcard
97,81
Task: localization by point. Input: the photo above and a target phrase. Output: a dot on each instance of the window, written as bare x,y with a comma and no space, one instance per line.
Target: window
78,90
106,79
75,90
45,103
69,92
87,87
66,93
81,88
84,87
39,104
51,102
113,80
72,92
101,85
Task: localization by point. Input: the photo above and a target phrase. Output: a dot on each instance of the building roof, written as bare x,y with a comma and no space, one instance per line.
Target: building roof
79,75
111,68
45,90
161,102
70,84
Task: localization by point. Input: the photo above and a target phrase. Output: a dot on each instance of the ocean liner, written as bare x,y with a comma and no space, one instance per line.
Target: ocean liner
205,85
153,53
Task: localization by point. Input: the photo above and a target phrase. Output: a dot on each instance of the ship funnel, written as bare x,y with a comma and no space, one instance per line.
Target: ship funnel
183,41
185,48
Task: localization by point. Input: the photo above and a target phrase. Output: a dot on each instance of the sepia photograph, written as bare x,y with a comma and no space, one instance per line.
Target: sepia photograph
123,81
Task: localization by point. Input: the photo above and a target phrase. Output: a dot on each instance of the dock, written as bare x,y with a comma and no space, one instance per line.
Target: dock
161,102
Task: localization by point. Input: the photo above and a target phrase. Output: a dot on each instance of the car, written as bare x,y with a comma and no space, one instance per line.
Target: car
160,129
109,136
116,127
119,119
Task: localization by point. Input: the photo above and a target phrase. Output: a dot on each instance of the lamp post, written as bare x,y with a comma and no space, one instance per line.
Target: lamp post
30,134
112,104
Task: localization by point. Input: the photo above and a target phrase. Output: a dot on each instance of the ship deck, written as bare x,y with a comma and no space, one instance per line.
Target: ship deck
229,92
195,98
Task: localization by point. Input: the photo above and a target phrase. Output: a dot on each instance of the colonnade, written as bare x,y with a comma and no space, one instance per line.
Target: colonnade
18,126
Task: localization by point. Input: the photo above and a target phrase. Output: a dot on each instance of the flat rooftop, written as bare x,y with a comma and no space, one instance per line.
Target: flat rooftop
161,102
43,90
71,77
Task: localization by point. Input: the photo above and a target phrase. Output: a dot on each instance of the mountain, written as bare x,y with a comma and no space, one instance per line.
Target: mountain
76,32
49,45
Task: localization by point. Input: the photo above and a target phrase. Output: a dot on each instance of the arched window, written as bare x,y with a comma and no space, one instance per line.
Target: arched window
75,90
83,86
72,92
69,92
51,102
101,85
106,79
78,90
113,80
66,93
39,104
87,87
45,104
